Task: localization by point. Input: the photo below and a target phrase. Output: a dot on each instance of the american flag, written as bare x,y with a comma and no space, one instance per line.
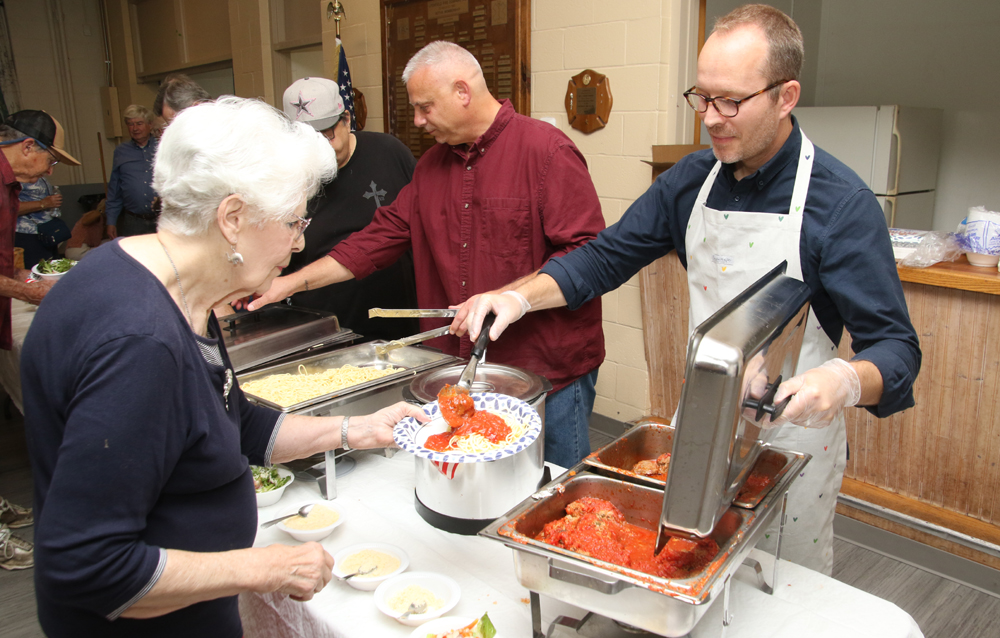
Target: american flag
346,87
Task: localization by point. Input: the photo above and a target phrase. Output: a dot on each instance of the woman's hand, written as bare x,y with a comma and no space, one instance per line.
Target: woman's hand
298,571
375,430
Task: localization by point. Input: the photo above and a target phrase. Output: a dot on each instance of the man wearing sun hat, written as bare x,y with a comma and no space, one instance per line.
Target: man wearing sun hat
32,142
371,170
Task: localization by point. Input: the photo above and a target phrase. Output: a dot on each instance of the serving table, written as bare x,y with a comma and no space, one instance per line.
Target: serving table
376,500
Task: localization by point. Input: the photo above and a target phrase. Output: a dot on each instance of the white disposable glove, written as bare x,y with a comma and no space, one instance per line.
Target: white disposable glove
820,394
508,306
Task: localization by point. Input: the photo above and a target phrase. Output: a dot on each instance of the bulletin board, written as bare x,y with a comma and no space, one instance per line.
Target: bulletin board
497,32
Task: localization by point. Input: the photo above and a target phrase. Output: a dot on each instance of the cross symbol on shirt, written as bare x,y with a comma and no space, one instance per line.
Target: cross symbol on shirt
376,193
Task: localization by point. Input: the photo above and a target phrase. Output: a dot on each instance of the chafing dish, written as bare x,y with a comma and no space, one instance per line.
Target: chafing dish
278,331
649,438
362,398
356,400
668,607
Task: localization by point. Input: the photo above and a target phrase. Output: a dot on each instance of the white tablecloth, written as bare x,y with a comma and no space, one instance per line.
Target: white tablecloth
377,501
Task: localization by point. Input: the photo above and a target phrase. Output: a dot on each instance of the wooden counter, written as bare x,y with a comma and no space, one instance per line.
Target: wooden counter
938,462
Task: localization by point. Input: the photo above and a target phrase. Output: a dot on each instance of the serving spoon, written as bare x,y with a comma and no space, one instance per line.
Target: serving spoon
360,572
415,608
303,512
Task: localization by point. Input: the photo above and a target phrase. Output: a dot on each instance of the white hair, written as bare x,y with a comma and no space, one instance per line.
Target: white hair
237,146
437,53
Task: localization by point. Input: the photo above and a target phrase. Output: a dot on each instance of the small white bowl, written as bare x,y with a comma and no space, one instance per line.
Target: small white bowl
368,583
306,535
986,261
443,587
270,498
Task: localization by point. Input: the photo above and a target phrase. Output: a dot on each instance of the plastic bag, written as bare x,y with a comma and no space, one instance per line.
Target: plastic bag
935,247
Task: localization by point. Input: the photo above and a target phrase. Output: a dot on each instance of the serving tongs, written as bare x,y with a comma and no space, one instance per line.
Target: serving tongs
478,352
404,312
381,350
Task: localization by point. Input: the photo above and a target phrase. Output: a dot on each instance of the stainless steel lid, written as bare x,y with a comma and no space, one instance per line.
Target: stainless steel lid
490,377
736,358
255,338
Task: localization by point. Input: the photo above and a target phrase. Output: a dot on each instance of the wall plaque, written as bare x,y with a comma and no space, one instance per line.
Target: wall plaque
588,101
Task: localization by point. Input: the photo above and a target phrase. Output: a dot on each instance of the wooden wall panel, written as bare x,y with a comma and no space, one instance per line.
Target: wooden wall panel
945,451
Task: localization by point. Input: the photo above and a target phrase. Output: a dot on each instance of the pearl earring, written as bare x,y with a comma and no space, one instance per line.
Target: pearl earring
235,259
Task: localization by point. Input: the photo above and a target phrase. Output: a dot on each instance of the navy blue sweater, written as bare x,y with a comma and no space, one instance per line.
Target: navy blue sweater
133,452
844,249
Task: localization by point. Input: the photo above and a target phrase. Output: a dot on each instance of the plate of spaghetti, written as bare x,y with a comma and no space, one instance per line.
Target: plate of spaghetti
507,426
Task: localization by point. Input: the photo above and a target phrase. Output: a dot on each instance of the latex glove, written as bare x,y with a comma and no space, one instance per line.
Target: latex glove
508,306
820,394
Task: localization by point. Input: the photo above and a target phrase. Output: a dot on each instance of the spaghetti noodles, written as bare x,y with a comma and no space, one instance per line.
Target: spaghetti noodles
289,389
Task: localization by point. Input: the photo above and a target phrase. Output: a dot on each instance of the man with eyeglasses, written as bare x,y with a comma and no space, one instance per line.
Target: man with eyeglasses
31,143
371,170
763,194
130,208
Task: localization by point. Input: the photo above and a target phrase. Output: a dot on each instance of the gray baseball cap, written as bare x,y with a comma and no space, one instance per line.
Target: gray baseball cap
315,101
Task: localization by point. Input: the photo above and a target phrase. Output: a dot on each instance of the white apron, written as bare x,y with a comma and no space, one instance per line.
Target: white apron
726,252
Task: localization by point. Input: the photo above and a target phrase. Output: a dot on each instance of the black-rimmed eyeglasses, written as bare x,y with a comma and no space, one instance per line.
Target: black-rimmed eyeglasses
727,107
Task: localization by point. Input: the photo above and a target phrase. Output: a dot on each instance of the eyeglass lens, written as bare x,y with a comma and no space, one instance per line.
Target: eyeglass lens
726,106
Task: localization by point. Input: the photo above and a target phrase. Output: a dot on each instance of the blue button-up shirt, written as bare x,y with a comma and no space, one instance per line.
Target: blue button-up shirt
844,248
131,184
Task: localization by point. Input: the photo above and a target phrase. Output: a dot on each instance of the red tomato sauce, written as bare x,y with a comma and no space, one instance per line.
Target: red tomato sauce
596,528
459,411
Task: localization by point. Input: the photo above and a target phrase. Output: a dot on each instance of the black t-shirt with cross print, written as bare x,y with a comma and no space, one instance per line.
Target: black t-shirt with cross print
379,168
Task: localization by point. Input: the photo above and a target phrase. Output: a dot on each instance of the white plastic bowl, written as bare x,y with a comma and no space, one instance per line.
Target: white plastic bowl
306,535
45,276
270,498
443,587
368,583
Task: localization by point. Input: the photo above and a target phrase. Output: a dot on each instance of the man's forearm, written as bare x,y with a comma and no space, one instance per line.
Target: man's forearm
539,289
871,382
31,293
322,272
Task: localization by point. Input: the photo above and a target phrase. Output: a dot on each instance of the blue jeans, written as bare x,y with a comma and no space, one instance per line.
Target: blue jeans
567,421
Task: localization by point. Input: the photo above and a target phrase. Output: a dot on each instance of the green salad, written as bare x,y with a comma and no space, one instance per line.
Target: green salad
266,479
55,266
481,628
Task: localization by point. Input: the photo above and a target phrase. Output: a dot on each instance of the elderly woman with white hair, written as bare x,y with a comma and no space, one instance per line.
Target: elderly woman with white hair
140,439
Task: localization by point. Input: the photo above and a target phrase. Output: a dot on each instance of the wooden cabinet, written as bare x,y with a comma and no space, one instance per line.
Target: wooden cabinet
172,35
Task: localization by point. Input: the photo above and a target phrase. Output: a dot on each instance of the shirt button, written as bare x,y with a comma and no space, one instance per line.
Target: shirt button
468,168
760,183
737,198
463,284
464,245
466,205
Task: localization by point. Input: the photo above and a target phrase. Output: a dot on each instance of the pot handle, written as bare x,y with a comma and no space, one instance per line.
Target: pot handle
573,575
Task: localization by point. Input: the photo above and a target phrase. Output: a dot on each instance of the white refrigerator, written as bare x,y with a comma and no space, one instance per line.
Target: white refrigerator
894,149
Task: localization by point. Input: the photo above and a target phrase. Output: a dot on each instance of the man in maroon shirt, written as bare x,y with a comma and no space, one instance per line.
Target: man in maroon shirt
497,197
31,143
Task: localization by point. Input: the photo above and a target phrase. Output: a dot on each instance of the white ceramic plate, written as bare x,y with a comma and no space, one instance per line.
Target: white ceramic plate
410,434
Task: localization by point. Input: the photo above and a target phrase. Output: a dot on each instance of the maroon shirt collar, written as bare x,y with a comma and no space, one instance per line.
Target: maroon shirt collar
484,141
